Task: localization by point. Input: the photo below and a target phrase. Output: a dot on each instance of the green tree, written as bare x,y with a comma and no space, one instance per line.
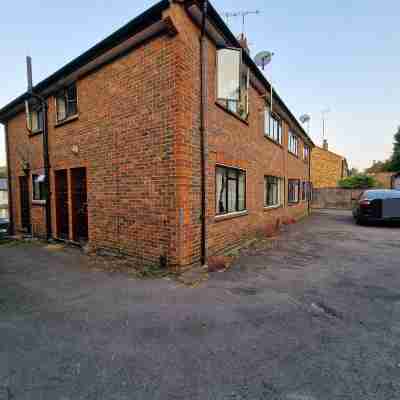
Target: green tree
358,182
3,172
379,166
395,161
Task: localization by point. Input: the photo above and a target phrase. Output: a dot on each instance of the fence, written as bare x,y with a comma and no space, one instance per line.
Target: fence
335,198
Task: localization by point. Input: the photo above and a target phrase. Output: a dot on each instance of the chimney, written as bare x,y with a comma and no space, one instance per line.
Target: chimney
325,144
243,43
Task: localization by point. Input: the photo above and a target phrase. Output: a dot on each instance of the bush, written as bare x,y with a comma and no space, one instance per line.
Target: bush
358,182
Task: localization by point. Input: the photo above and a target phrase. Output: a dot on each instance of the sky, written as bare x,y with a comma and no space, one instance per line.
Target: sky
340,55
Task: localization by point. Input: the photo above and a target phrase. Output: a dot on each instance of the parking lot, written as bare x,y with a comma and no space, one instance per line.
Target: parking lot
312,314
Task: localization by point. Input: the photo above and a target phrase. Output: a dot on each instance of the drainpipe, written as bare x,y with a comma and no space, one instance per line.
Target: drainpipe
10,201
203,139
46,159
46,162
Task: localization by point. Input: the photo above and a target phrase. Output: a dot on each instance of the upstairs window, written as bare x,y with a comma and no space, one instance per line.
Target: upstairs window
230,190
272,126
66,103
306,153
34,117
38,188
293,190
233,81
293,144
273,191
37,121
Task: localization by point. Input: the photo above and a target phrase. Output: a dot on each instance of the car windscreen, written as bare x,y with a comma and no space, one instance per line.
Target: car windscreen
387,194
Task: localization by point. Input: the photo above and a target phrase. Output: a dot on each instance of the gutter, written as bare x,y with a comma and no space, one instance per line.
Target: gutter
10,199
203,138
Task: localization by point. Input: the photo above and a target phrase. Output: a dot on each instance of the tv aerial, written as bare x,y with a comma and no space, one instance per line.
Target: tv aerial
242,14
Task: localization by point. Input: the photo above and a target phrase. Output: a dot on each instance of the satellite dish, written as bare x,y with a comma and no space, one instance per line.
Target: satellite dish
263,58
305,118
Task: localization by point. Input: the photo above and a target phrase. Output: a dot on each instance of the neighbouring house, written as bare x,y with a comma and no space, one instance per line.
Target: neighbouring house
383,179
3,198
160,146
327,168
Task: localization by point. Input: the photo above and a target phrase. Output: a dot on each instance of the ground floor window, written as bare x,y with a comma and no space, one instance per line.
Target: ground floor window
230,190
304,190
272,191
293,190
309,194
38,187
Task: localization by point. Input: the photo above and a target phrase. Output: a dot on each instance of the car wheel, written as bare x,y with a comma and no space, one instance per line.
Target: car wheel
360,221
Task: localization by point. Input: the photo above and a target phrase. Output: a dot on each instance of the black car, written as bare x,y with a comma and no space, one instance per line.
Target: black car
377,205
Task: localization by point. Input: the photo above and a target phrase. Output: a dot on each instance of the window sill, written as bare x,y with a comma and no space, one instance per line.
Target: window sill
66,121
269,208
38,202
237,116
225,217
293,203
273,141
293,154
34,133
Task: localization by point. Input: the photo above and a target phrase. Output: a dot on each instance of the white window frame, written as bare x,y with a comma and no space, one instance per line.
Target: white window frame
237,96
280,193
293,143
34,115
238,209
296,199
64,93
268,131
38,179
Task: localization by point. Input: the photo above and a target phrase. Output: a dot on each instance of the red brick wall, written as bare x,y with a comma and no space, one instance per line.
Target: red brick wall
124,136
230,142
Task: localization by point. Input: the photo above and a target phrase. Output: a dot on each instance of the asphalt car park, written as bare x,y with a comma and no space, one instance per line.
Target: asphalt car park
312,314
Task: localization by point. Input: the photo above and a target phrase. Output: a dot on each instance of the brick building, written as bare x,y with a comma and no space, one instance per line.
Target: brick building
149,128
327,168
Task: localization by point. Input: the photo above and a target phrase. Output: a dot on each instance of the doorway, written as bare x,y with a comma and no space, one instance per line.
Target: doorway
25,204
62,212
79,205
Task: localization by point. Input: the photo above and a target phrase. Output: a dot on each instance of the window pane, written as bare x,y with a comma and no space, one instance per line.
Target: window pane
229,61
242,191
61,108
221,191
35,121
232,105
40,120
267,121
232,192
